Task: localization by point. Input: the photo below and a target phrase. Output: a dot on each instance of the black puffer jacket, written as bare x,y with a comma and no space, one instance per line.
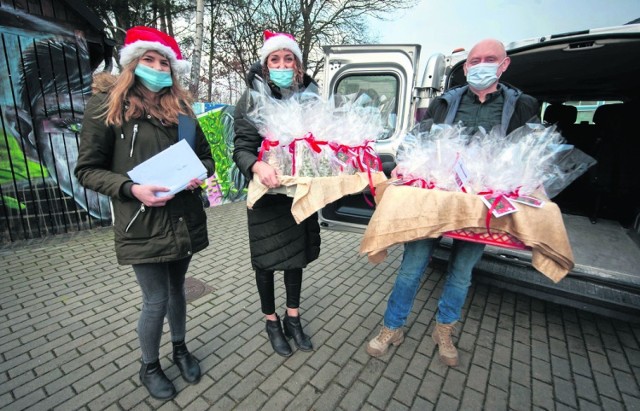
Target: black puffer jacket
276,242
142,234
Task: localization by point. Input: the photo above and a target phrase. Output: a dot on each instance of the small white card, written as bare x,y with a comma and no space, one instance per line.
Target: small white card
173,168
461,176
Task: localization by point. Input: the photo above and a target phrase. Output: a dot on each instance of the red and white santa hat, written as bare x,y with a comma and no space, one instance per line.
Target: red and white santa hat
141,39
278,41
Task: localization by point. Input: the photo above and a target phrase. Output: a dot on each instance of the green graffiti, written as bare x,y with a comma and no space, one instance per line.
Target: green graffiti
218,129
15,166
12,203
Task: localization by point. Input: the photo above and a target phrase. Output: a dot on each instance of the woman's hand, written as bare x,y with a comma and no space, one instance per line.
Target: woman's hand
147,194
266,174
194,183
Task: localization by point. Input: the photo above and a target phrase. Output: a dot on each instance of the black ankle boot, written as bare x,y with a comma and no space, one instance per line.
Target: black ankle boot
187,363
278,342
158,385
293,328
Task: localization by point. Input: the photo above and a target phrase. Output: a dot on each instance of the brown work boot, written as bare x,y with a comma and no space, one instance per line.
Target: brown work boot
380,344
442,337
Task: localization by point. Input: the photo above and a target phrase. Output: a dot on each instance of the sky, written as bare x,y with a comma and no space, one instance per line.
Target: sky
443,25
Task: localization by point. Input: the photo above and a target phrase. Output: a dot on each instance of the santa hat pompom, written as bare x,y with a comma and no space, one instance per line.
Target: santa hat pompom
278,41
141,39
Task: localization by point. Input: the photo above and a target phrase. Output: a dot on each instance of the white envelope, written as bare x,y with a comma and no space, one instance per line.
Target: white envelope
172,168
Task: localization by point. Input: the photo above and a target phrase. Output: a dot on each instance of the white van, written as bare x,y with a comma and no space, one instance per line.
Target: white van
588,83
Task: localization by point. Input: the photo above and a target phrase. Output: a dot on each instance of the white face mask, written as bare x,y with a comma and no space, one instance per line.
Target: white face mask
483,75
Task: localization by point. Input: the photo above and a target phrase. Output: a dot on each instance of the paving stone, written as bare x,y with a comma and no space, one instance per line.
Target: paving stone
613,405
519,397
253,400
382,392
499,376
330,398
278,400
561,367
431,387
372,371
541,370
420,404
355,396
606,386
324,376
217,391
304,400
406,390
111,396
496,399
72,326
564,392
472,400
586,388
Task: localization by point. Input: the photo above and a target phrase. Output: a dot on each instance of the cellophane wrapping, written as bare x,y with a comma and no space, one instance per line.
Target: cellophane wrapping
307,136
531,158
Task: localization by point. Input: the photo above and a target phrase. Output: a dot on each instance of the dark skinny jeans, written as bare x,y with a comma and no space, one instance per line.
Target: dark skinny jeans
292,284
162,286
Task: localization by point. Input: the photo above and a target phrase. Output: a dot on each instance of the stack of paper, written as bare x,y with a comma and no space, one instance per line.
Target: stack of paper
173,168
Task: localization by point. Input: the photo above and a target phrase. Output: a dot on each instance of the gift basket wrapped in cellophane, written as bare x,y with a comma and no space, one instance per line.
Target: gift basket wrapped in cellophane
484,187
321,149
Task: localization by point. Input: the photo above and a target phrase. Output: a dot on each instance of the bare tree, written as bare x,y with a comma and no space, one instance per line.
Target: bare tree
120,15
313,22
234,30
197,52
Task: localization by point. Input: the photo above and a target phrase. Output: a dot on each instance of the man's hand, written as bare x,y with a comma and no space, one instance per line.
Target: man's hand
147,195
266,174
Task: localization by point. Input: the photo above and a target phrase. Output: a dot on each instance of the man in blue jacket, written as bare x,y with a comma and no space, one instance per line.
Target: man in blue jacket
483,102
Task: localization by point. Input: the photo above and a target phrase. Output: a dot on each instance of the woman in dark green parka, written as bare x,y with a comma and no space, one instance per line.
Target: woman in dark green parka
134,120
276,242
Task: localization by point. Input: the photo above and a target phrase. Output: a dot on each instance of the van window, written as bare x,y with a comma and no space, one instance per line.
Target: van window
379,91
586,108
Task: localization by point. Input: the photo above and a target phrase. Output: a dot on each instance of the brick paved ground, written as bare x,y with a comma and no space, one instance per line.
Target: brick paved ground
68,339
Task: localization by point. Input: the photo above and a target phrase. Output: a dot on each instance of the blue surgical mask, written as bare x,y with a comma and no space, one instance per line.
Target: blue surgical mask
282,78
483,75
152,79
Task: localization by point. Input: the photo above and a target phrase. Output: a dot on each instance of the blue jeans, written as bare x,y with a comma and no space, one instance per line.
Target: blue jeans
416,257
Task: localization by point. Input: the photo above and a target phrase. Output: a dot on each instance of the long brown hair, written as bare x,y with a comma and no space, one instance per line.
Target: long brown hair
130,99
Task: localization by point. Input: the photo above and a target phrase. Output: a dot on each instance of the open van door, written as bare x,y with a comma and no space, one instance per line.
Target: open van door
381,76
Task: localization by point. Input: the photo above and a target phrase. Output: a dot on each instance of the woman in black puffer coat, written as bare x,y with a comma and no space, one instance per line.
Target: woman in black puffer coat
276,241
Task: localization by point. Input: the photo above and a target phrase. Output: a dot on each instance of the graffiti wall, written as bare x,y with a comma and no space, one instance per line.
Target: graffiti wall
227,185
45,82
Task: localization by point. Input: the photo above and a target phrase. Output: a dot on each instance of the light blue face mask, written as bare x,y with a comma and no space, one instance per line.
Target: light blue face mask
152,79
282,78
483,75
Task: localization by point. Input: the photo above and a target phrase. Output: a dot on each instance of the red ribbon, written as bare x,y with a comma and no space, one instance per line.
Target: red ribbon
422,182
365,157
495,203
266,146
314,144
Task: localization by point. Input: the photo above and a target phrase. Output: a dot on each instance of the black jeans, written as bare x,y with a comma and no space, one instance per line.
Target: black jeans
292,284
162,286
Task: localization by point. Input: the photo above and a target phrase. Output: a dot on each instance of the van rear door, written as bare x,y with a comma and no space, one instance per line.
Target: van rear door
382,76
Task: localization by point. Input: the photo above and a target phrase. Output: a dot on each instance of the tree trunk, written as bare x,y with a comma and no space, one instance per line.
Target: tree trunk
197,53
